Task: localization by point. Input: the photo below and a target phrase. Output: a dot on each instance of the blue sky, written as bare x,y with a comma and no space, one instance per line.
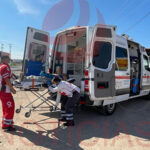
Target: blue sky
17,15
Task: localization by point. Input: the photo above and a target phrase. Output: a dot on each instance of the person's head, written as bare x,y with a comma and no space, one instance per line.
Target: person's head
56,80
65,77
5,59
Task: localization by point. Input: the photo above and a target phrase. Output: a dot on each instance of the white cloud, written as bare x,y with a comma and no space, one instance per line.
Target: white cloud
50,2
25,7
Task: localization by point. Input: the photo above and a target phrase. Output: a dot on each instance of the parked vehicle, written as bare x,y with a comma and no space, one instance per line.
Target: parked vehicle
107,67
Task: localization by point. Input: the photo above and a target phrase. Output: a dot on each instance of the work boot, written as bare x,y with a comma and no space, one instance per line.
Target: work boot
69,123
10,128
62,119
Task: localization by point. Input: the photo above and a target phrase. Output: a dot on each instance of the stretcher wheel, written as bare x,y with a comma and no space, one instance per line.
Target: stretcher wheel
51,108
27,114
18,110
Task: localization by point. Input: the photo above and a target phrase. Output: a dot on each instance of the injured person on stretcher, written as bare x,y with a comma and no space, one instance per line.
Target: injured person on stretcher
69,95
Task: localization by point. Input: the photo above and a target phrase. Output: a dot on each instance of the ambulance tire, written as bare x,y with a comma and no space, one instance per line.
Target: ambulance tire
108,109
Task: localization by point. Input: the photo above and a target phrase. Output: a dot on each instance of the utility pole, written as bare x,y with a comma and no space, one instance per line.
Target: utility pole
10,46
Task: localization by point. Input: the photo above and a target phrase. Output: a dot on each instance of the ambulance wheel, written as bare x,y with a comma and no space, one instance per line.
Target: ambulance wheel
27,114
108,109
18,111
51,108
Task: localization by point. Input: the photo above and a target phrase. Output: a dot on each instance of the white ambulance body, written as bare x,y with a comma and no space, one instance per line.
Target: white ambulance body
108,68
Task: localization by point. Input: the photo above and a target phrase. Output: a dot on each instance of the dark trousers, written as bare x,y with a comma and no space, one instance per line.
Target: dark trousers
67,105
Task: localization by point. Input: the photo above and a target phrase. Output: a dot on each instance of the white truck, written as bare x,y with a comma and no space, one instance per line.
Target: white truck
107,67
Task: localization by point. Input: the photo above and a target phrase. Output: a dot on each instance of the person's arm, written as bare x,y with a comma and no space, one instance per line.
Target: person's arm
53,90
7,80
6,76
58,99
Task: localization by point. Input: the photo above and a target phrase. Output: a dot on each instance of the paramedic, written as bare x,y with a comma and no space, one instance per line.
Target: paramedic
5,94
71,94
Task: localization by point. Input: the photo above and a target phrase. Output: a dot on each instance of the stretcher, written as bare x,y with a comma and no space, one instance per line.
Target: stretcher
35,86
42,98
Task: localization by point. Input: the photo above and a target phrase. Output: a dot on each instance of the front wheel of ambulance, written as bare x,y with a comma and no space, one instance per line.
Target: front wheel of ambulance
108,109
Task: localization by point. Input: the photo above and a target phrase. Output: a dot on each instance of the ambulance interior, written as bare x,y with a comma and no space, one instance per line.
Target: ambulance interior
69,54
135,68
36,59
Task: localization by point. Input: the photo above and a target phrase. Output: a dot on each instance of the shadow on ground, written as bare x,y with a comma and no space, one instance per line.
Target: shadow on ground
131,117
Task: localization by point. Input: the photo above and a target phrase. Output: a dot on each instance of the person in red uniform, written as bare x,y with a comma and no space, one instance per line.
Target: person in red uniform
6,97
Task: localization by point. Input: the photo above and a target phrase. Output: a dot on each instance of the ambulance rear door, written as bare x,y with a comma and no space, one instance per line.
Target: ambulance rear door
36,53
102,63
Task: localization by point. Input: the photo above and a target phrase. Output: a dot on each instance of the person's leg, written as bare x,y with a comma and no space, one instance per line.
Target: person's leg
8,108
63,111
3,108
69,108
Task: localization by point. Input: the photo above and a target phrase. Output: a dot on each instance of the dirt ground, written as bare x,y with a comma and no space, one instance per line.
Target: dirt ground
128,128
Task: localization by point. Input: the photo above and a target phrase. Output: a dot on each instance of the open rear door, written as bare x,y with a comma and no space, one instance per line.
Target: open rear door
102,63
36,53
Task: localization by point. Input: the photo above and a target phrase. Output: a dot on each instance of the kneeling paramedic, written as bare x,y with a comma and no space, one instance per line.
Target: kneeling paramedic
69,95
5,94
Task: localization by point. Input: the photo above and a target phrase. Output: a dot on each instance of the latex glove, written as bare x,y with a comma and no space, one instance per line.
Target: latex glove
55,108
50,88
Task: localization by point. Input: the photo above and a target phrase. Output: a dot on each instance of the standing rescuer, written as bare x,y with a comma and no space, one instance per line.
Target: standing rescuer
6,97
71,93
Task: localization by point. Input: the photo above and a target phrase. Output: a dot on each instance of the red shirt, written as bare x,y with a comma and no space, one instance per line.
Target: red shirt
5,72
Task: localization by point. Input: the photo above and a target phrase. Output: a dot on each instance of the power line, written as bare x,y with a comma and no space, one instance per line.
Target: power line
130,3
139,21
134,10
121,7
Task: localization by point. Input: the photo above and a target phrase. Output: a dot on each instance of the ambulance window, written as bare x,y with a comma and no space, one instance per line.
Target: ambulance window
121,59
146,63
37,52
102,54
59,54
103,32
40,37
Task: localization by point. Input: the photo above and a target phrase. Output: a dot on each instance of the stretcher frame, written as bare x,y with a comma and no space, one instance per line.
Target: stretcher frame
44,100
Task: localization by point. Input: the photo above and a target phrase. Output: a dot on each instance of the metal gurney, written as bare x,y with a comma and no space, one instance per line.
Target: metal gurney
36,91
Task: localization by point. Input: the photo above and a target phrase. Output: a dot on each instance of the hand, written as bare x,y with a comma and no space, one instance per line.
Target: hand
13,91
55,108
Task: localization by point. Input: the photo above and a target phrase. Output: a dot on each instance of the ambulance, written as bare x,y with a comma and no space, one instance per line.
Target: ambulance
108,68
